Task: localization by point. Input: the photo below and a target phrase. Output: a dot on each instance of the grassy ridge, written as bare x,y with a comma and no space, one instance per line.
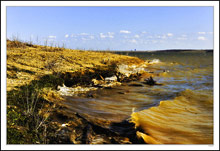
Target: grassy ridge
27,62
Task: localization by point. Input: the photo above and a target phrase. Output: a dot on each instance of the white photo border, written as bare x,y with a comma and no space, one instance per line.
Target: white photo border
214,4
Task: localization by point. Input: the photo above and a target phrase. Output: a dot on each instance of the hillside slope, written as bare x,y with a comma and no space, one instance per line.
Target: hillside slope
35,112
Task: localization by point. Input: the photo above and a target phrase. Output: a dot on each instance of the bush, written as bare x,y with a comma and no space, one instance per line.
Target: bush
28,112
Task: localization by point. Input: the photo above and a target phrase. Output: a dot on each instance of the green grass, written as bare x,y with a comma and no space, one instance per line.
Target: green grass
26,109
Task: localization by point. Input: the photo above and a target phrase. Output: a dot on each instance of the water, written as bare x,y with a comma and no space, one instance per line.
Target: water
180,111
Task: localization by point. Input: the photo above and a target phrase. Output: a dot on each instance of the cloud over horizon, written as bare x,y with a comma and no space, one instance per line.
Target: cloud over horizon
125,31
107,35
201,38
66,36
169,34
52,37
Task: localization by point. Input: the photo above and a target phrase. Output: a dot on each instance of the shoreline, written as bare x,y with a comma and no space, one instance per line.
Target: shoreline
35,87
49,105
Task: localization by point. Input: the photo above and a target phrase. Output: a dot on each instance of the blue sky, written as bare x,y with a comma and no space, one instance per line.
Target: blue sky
113,28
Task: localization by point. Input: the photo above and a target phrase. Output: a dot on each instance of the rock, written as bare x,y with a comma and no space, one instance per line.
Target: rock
99,139
107,87
124,92
90,95
150,81
63,135
113,78
69,91
76,136
121,140
96,82
121,92
91,137
125,72
154,61
105,84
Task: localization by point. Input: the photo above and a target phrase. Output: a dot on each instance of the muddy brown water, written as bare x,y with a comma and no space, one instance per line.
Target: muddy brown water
187,80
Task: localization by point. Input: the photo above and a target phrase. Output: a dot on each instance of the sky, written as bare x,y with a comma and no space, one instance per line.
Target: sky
113,28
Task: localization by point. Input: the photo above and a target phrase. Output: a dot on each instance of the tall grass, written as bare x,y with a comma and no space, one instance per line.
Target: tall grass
24,123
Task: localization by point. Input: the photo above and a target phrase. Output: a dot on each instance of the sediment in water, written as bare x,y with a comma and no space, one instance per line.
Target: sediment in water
183,120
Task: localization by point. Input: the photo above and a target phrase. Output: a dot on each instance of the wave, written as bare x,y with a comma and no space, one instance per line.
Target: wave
187,119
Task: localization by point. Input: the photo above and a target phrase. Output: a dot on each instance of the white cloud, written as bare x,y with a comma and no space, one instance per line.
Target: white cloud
143,32
125,31
73,35
52,37
210,32
182,38
169,34
87,37
111,34
201,38
133,41
84,39
108,35
136,36
91,37
161,41
83,34
102,35
202,33
162,37
66,36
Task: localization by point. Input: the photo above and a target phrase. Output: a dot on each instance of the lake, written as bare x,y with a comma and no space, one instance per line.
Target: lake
177,111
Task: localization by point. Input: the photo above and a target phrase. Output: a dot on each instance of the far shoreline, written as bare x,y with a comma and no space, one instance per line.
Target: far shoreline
164,50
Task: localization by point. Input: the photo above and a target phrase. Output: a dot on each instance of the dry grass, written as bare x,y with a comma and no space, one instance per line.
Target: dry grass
28,62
